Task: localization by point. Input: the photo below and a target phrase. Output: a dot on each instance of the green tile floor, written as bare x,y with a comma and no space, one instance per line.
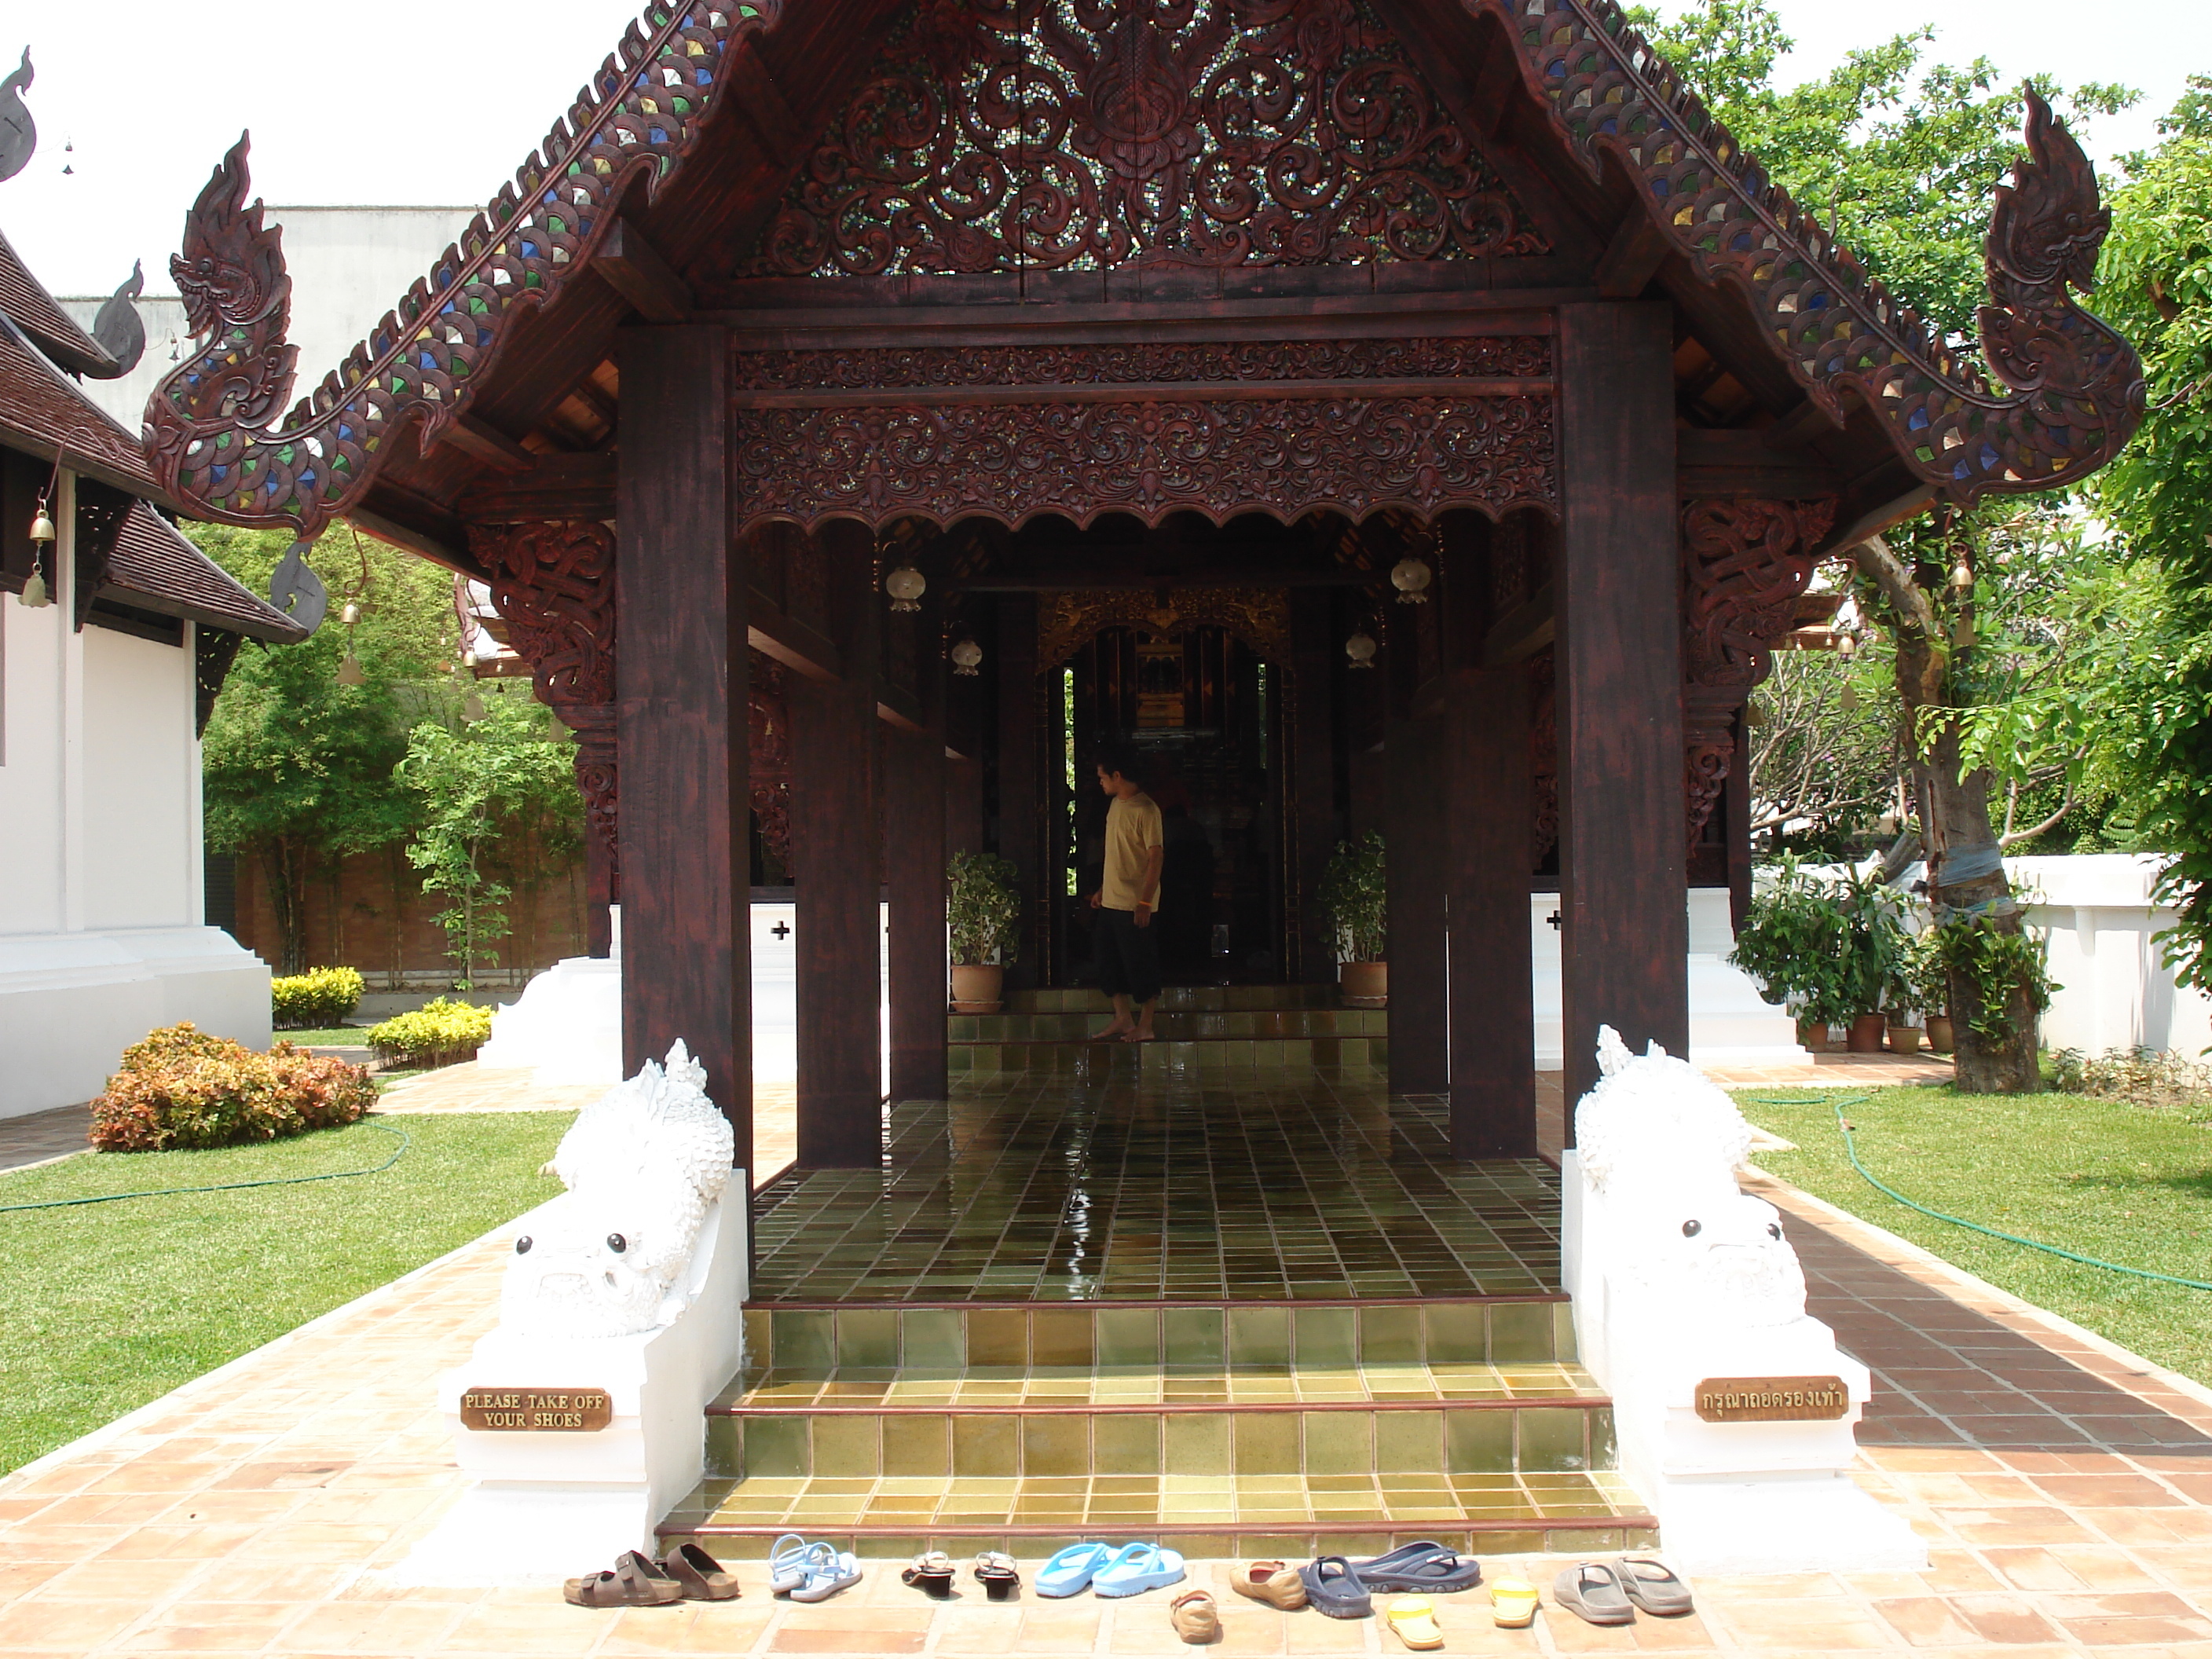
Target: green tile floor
1264,1313
1268,1184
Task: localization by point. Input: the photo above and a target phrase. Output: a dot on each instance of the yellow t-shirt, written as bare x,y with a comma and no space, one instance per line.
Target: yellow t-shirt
1133,829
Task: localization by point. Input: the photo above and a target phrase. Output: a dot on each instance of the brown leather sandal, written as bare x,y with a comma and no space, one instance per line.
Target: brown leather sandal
634,1582
702,1576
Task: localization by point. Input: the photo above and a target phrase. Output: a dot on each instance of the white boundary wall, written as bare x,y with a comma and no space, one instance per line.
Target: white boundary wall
2118,992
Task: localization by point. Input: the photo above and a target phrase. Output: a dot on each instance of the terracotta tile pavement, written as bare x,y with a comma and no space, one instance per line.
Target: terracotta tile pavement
2065,1488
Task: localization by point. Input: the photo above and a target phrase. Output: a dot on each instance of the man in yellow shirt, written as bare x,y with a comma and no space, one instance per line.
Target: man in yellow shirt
1128,897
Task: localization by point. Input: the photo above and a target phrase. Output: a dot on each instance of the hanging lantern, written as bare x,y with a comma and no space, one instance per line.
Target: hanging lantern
1361,648
906,586
1410,576
350,671
966,656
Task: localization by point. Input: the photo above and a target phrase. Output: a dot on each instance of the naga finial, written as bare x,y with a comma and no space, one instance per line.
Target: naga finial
119,329
231,277
19,133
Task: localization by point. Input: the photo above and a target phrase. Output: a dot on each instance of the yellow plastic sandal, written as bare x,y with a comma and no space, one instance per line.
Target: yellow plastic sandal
1512,1603
1414,1620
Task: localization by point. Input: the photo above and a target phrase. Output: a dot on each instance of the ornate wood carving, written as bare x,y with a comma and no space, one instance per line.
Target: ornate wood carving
2076,388
770,763
214,650
553,582
1744,563
101,510
1258,617
1150,457
1004,135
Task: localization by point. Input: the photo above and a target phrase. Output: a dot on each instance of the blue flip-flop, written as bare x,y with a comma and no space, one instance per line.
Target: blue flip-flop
1073,1568
1136,1568
786,1563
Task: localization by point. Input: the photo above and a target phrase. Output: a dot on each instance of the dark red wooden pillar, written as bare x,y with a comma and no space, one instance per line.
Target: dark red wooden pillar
1486,786
1622,807
1021,811
687,966
835,839
914,869
1414,859
1311,740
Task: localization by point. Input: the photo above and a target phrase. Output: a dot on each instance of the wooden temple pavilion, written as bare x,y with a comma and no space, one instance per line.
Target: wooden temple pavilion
1154,334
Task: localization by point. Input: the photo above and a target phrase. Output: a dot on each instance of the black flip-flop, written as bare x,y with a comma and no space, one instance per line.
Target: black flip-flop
1334,1588
1419,1569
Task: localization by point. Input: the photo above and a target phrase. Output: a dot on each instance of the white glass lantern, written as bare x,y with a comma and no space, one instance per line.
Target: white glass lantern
965,657
906,586
1361,648
1410,577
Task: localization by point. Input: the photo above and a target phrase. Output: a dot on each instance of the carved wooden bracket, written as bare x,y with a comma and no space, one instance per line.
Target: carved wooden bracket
1745,561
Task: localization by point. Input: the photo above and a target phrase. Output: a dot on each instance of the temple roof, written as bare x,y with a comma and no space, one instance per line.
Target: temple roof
44,413
1794,369
26,302
155,568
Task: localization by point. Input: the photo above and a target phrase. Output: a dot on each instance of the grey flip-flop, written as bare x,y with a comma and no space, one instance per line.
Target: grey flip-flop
1592,1589
1652,1584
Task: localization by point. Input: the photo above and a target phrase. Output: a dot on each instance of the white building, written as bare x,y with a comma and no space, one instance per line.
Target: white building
114,637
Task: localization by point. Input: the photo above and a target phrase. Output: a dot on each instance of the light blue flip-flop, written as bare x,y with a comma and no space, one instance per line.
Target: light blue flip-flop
1067,1572
1136,1568
790,1559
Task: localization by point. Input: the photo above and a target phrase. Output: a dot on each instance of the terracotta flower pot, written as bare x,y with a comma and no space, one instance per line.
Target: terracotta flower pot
1365,984
1941,1038
1813,1036
1904,1039
976,990
1866,1032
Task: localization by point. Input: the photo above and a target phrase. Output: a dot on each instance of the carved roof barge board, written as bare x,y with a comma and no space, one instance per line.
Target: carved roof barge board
1525,151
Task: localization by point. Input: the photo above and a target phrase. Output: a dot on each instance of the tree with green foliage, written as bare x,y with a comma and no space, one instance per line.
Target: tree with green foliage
2157,290
503,782
296,767
1900,158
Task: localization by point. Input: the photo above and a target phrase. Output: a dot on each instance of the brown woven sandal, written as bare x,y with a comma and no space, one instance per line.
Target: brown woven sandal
634,1582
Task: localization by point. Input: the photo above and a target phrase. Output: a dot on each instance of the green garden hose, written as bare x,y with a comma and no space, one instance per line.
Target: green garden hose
228,1186
1850,1147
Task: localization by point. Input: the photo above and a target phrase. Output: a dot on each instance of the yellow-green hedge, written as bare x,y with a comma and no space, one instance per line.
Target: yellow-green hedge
317,998
440,1033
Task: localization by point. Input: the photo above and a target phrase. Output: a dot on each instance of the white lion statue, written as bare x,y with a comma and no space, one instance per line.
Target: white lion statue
643,1164
1659,1145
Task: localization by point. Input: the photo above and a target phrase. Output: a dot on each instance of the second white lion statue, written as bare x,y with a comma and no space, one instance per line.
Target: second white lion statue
643,1165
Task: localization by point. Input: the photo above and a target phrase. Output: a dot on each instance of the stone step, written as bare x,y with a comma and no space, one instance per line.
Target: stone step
1202,1514
1271,1024
1499,1331
1326,1055
1177,999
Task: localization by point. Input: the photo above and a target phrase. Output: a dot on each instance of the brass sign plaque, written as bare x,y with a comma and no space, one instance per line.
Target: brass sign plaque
1773,1399
560,1411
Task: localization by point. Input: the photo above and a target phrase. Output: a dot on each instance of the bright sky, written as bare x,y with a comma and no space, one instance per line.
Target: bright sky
435,103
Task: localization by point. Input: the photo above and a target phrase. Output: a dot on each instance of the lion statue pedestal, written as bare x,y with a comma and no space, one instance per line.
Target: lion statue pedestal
582,1415
1734,1408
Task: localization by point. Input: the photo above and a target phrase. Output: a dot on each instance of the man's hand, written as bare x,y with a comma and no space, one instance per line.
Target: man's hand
1142,915
1094,900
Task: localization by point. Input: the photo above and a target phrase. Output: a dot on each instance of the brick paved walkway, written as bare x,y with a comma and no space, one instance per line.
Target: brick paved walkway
37,1136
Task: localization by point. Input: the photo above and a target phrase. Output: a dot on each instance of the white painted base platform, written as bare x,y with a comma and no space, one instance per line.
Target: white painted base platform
549,1506
1806,1523
70,1003
566,1025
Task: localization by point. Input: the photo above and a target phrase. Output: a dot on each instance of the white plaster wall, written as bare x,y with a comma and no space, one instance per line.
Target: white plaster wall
2118,992
100,936
140,781
349,265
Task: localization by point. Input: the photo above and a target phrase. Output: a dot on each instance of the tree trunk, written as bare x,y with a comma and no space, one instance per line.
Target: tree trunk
284,868
1966,868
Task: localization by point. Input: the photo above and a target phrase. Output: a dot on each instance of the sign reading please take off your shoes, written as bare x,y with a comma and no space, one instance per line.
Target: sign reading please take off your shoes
1773,1399
571,1411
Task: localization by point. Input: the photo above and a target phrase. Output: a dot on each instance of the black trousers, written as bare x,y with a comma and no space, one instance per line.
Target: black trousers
1128,955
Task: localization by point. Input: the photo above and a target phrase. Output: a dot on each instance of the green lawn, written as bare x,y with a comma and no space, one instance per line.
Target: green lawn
328,1037
106,1306
2128,1184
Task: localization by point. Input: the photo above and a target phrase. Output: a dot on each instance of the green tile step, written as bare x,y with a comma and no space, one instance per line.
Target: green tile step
1438,1332
1203,1515
1177,999
1099,1059
1245,1024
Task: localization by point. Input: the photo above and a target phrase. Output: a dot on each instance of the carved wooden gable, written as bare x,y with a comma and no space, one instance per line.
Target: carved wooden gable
1059,135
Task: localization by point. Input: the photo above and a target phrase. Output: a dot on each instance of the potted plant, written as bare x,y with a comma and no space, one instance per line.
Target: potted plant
1918,985
982,906
1354,896
1875,941
1794,942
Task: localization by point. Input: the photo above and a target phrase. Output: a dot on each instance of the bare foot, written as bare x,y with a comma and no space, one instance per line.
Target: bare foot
1118,1028
1140,1034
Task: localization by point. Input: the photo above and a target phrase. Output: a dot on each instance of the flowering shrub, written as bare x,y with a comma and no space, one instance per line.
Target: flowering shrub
321,996
182,1088
439,1033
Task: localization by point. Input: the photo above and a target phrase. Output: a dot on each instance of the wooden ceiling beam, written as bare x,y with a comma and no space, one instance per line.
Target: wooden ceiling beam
480,440
556,487
1631,258
1522,632
634,268
804,650
1747,462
